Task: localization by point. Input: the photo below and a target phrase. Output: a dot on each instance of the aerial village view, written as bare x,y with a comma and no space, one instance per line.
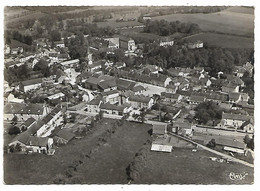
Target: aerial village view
128,95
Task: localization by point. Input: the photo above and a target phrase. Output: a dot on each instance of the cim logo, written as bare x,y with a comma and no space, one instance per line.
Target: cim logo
237,176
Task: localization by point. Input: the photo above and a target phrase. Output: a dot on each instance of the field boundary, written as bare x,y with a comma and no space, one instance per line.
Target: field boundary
215,152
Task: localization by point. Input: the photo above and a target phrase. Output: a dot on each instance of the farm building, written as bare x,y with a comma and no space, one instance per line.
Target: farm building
26,143
159,129
162,144
63,136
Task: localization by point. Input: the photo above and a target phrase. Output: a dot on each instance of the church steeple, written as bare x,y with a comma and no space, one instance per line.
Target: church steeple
89,55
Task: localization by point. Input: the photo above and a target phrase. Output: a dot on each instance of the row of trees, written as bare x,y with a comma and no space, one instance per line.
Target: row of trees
18,36
165,28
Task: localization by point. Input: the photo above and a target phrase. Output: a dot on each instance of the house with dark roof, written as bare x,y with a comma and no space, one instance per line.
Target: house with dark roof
185,94
216,97
96,66
226,106
63,57
239,71
181,128
245,105
30,84
169,97
70,63
24,111
229,87
234,120
140,101
196,99
44,127
94,105
107,85
248,126
110,96
28,143
27,124
171,88
113,42
138,89
26,56
111,109
127,43
119,65
92,83
59,44
235,80
234,97
159,129
123,85
63,136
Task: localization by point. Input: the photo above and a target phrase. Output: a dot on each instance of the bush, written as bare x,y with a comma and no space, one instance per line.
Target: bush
14,130
212,143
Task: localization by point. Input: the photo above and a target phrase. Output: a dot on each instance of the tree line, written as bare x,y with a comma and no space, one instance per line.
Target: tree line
165,28
213,60
26,39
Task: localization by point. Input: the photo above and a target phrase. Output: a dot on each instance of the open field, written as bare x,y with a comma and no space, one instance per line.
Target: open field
11,23
108,165
183,166
223,40
224,22
244,10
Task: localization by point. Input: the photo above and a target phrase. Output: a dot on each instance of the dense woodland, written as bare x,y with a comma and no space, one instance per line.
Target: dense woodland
165,28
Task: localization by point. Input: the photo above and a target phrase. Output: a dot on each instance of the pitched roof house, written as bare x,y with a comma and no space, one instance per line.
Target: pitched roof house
32,143
234,120
196,99
63,136
94,105
30,84
140,101
24,111
111,109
